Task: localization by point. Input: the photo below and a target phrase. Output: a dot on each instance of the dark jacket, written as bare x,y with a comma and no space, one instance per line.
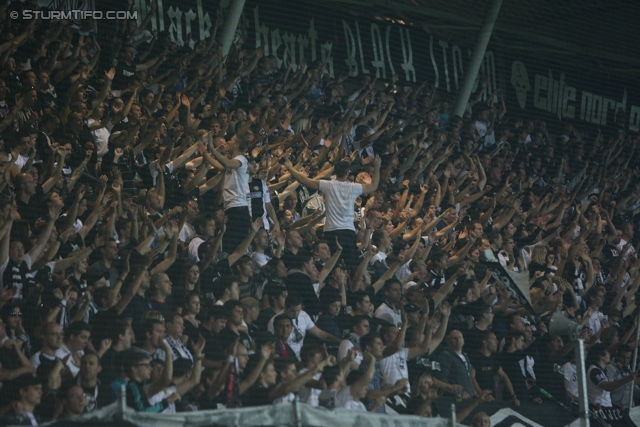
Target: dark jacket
454,371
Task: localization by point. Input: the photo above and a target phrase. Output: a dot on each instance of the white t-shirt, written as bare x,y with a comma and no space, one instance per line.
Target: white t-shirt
380,256
236,185
63,352
345,346
260,259
299,330
385,312
404,271
194,244
187,233
309,395
595,322
571,375
160,396
101,137
597,395
336,399
339,198
481,128
21,161
395,366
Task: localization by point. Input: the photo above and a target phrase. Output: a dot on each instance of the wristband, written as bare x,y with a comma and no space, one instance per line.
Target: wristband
198,358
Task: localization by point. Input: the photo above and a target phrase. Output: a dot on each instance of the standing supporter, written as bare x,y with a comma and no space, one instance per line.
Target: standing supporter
340,196
236,187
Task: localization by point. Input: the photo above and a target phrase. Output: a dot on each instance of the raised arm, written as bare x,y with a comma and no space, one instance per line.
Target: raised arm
301,380
330,263
302,178
375,180
37,249
227,163
167,373
173,250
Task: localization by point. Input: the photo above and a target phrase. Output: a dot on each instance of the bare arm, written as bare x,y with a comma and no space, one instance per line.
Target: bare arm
37,249
302,178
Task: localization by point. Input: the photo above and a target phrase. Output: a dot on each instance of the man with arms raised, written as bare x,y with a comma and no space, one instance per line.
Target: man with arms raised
340,196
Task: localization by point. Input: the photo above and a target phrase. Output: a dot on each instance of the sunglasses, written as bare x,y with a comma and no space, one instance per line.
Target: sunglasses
15,313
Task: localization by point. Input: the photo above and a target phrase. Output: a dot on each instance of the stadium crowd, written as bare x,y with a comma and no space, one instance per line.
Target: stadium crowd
206,232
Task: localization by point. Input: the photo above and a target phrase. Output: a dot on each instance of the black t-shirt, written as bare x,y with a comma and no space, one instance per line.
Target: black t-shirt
510,363
191,331
300,283
257,396
288,258
597,375
211,274
109,371
414,405
103,324
263,318
124,75
212,348
97,397
486,369
226,337
31,211
472,339
136,308
163,307
546,375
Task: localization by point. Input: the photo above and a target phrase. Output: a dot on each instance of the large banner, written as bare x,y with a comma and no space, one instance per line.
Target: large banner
308,31
535,85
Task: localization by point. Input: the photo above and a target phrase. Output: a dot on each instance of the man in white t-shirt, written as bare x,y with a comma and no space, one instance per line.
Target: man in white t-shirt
394,366
235,190
390,310
598,385
339,198
206,227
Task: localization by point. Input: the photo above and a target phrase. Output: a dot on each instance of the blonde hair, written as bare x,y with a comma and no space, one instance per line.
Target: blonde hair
539,254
